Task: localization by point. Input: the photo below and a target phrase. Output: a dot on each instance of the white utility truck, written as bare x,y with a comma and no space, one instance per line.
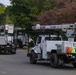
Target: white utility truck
21,37
51,45
7,39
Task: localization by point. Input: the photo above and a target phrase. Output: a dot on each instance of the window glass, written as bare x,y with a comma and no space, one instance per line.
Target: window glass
53,38
39,40
1,34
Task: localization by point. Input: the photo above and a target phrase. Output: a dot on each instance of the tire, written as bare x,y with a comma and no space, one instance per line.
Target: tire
54,60
0,51
20,46
74,64
33,58
13,51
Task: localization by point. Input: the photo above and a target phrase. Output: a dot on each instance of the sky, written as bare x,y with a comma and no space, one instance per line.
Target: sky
5,2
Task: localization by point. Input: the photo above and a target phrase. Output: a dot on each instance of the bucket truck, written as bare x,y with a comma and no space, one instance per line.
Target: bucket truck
51,44
7,39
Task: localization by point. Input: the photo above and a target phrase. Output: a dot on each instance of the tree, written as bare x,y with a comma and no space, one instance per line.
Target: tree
63,14
2,14
24,12
8,15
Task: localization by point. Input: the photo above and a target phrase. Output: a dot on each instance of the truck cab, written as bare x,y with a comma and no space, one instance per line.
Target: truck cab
42,38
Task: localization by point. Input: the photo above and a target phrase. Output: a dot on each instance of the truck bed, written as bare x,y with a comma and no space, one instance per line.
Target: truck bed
52,45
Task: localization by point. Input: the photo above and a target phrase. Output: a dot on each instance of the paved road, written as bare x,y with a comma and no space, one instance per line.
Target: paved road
19,65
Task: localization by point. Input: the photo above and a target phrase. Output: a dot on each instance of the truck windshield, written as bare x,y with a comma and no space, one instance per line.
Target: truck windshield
1,34
52,38
10,34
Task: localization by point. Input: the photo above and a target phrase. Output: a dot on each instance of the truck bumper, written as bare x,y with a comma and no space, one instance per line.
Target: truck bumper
70,58
6,48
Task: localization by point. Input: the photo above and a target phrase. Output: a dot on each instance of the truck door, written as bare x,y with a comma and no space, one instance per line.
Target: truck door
37,47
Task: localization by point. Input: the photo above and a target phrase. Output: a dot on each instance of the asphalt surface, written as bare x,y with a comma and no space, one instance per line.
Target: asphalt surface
18,64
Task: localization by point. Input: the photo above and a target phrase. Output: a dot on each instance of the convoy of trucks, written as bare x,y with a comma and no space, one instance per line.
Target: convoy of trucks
54,43
12,37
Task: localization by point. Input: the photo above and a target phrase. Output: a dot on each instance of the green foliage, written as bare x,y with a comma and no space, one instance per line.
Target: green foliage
1,10
2,14
24,12
48,4
8,20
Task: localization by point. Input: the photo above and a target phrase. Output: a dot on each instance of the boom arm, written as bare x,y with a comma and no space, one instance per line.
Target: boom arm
69,29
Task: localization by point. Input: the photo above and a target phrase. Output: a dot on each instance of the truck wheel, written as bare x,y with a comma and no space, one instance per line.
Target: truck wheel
0,51
54,60
74,64
33,58
13,52
20,46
